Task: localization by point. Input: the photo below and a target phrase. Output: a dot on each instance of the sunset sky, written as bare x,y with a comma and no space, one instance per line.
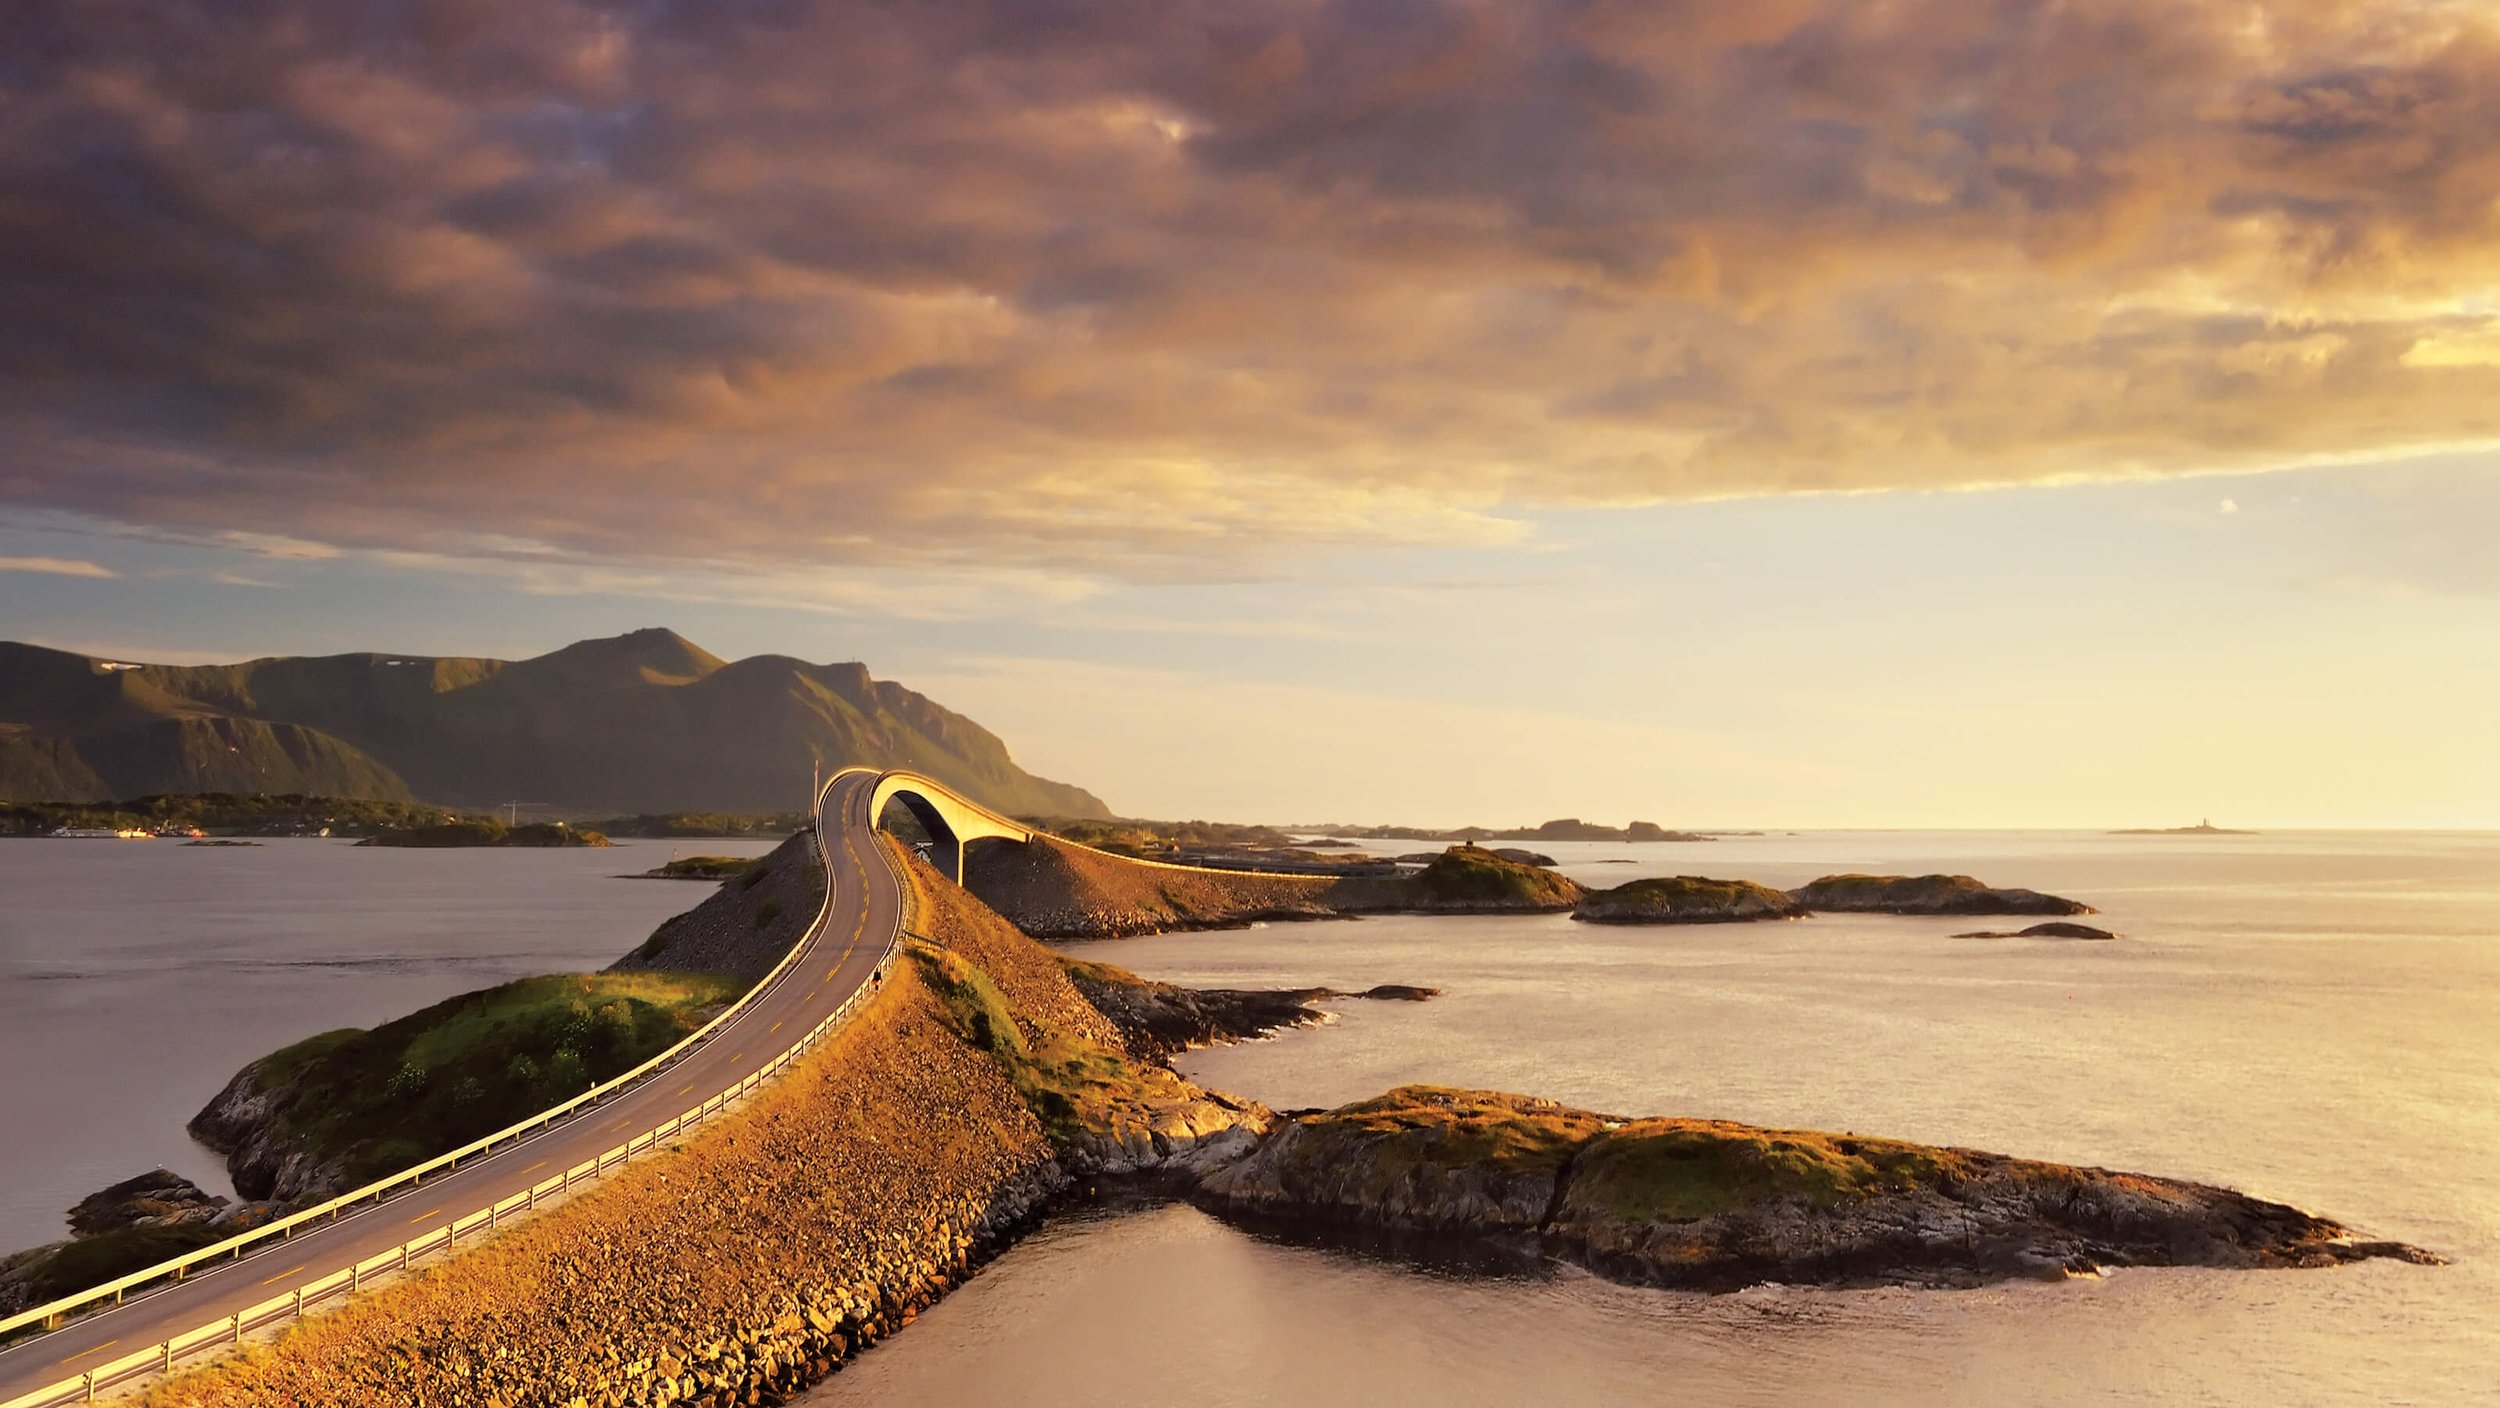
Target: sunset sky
1790,413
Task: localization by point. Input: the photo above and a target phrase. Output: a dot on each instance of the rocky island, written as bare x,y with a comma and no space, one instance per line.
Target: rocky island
1686,899
2055,929
486,831
1713,1206
1926,894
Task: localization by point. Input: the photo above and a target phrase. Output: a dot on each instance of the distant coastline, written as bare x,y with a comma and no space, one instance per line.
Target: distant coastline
2202,828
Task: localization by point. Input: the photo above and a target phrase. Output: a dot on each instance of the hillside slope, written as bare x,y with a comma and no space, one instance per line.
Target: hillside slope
646,721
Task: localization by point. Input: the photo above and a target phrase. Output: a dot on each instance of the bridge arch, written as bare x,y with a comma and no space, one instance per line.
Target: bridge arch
949,819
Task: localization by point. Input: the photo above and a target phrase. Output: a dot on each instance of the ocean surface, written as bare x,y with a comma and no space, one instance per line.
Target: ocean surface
136,977
2311,1017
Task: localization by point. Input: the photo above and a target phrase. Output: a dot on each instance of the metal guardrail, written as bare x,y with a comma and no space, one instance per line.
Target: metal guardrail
228,1331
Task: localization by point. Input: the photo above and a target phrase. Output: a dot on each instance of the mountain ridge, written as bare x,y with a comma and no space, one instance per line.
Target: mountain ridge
645,721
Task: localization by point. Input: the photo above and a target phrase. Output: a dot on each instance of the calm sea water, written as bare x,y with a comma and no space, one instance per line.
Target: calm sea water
136,977
2315,1018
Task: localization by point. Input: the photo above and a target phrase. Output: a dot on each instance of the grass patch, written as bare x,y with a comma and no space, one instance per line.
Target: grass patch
440,1078
1676,1170
1066,1083
1418,1125
1474,875
711,868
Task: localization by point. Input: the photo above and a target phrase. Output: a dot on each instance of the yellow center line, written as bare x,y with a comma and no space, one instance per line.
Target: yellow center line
686,1089
429,1212
108,1344
775,1027
286,1273
533,1168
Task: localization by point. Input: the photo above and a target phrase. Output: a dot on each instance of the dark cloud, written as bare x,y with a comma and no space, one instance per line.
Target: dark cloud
1133,286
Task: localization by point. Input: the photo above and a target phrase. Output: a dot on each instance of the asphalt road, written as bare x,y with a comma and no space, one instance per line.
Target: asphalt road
833,962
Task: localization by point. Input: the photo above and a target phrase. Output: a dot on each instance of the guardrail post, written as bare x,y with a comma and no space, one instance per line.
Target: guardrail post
355,1273
238,1327
166,1366
299,1302
89,1376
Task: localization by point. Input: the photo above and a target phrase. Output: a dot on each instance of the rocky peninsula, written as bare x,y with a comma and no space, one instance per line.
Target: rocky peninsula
1686,899
1926,894
1712,1206
1161,1020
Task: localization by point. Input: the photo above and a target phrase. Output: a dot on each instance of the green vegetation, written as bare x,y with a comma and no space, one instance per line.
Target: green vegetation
1471,875
1417,1125
1927,894
486,831
1065,1082
433,1080
1687,899
223,813
1676,1170
748,868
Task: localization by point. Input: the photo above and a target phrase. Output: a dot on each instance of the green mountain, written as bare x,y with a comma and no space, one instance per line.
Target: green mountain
646,721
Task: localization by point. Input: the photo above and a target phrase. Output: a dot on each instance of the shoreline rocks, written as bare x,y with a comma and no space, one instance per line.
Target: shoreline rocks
1926,894
1161,1020
1713,1206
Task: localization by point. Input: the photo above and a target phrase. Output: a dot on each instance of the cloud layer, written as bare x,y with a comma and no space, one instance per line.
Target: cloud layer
1148,288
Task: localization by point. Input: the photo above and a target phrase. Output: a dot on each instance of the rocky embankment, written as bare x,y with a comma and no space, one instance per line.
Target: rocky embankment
1686,899
1926,894
826,1213
1161,1020
1053,890
1707,1205
745,927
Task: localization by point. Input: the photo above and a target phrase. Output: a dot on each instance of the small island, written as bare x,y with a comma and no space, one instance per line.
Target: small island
1708,1205
2202,828
2054,929
701,868
1686,899
486,831
1926,894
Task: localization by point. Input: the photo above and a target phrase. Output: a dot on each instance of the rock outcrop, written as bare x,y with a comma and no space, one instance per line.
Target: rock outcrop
1161,1020
2054,929
1926,894
1686,899
1713,1206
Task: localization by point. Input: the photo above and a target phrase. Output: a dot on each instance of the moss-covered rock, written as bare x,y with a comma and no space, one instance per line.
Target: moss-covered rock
1712,1205
1686,899
1926,894
339,1109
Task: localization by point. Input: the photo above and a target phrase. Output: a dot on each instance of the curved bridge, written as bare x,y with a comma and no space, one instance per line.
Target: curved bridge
199,1303
949,819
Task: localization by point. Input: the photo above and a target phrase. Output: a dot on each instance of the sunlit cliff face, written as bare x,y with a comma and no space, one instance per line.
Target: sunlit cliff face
1152,288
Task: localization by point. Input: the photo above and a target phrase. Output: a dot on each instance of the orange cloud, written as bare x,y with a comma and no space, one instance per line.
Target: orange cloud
1154,289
